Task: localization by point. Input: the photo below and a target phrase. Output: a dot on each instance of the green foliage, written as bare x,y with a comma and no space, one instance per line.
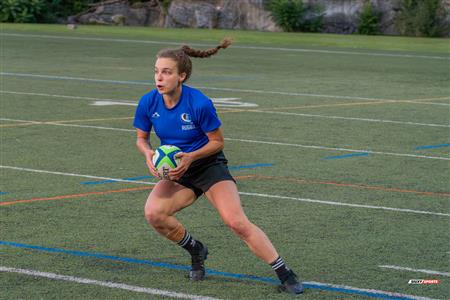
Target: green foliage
422,18
293,15
40,11
369,20
20,11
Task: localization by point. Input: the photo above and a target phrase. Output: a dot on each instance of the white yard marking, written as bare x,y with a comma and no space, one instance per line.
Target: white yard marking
74,175
108,284
335,203
247,141
405,210
340,52
349,118
431,272
199,87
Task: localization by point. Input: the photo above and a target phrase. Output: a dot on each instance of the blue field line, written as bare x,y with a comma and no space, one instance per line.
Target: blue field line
347,155
311,285
151,177
432,146
3,193
249,166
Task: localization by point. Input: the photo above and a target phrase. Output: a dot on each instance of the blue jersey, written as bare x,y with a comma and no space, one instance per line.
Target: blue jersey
185,125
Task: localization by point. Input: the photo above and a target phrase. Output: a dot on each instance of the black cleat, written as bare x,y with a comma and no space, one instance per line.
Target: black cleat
198,265
291,285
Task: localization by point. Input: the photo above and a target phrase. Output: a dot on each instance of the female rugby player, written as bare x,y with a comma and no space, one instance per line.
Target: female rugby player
184,117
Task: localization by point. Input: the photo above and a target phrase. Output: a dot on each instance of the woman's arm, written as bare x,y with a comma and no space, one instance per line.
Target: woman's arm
214,145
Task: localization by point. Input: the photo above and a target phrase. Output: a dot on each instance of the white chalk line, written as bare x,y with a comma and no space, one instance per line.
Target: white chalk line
248,193
218,103
337,149
304,50
405,210
108,284
431,272
75,175
200,87
248,141
348,118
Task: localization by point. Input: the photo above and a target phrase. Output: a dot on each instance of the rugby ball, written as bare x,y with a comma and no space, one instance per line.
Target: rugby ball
164,159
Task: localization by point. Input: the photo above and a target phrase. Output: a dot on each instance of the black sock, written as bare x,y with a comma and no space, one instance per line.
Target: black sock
279,266
191,245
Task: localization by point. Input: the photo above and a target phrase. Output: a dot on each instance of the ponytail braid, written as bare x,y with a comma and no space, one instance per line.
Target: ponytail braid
181,55
206,53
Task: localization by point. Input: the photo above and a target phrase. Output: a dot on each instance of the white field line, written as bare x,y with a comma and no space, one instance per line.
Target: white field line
248,141
74,175
108,284
348,118
200,87
130,102
337,149
212,88
66,96
403,210
370,291
341,52
431,272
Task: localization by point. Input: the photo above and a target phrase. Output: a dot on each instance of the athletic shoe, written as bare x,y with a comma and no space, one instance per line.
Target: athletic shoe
198,265
291,285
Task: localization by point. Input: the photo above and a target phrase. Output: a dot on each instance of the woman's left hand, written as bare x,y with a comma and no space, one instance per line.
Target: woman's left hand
186,160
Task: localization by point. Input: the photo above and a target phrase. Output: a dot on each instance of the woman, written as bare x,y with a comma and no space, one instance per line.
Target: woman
184,117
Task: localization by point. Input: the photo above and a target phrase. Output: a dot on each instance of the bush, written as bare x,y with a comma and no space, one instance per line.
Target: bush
369,20
292,15
40,11
422,18
20,11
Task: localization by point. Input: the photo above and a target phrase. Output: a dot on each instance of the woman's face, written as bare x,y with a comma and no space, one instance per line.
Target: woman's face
167,78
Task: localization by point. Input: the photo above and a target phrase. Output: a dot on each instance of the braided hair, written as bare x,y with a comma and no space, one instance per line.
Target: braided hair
181,56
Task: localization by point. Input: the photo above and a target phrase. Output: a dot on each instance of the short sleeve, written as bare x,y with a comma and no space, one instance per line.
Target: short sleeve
141,118
208,119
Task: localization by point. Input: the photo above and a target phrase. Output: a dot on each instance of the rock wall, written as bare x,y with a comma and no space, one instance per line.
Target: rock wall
340,16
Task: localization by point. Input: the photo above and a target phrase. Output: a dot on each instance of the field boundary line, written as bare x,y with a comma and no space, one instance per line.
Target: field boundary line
342,52
313,285
108,284
253,194
431,272
369,187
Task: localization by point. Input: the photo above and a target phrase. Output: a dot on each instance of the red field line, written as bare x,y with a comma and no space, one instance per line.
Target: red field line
76,195
94,193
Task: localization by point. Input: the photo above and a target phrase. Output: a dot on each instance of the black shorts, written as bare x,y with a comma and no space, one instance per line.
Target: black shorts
205,172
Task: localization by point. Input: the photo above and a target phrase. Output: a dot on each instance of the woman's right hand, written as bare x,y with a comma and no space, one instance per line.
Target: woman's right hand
149,160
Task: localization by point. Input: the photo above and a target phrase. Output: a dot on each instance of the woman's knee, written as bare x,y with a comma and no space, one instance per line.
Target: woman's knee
154,216
241,227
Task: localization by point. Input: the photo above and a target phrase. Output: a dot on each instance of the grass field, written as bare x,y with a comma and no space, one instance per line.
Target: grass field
340,145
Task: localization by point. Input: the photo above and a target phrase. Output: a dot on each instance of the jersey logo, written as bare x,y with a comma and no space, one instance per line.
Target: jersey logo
155,115
186,118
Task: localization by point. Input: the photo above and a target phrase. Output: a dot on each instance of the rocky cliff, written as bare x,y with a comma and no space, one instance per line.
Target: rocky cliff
340,16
